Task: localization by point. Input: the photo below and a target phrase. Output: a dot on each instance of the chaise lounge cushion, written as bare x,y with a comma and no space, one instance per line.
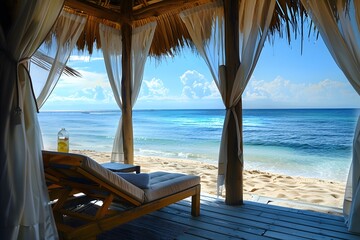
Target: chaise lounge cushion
163,184
110,177
75,173
144,187
141,180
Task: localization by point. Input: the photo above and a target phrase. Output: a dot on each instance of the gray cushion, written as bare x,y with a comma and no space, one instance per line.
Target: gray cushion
163,184
141,180
111,178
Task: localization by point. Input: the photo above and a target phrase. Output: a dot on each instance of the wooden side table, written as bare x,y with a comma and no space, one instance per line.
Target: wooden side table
121,167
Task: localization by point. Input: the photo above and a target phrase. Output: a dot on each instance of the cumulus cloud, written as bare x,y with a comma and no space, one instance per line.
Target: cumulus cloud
92,94
284,93
196,86
88,79
153,89
97,94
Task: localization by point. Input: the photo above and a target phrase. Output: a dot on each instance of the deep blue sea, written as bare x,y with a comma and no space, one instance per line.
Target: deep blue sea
297,142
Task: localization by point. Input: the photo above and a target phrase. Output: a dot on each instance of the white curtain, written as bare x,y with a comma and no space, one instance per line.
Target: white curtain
206,27
25,212
112,50
67,29
341,35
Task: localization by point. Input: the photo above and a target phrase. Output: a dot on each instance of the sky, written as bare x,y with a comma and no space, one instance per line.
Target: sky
285,77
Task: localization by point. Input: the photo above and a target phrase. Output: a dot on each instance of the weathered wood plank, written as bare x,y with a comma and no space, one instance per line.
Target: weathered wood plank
220,221
187,236
254,206
283,236
290,225
249,223
227,222
208,226
318,223
285,215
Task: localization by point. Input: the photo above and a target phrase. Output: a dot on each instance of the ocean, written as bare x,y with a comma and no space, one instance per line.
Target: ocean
297,142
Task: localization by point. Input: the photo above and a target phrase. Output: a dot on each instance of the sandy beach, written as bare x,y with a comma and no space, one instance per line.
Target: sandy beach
256,183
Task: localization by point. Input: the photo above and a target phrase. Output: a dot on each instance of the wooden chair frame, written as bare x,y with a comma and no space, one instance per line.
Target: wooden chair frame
110,206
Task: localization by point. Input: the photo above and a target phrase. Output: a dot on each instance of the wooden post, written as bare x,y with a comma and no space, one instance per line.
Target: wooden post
234,168
127,127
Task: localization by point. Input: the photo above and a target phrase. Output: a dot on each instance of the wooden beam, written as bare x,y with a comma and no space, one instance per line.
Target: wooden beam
127,128
155,9
234,168
151,9
95,10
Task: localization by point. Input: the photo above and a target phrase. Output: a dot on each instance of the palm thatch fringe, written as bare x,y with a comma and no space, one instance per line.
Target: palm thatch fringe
45,62
171,34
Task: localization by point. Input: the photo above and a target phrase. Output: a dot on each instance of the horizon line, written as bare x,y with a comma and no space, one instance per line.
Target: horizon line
187,109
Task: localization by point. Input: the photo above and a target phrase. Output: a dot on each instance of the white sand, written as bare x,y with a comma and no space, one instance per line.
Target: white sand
256,183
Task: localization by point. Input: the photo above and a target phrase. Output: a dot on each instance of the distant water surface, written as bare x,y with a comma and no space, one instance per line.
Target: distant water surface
298,142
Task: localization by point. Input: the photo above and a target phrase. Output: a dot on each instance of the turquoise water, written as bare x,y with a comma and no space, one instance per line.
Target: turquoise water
298,142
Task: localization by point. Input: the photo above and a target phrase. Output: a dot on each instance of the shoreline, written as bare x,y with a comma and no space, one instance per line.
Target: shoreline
256,183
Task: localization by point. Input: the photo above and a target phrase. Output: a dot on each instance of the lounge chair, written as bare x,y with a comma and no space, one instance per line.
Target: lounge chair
89,199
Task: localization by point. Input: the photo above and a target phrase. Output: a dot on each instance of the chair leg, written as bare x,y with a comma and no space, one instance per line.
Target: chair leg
195,203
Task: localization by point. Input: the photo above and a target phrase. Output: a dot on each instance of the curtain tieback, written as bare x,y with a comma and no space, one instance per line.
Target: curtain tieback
17,110
238,133
21,62
230,108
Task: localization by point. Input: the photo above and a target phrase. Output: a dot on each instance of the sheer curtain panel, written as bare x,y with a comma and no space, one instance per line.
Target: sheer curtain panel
206,27
341,33
112,50
25,212
66,32
111,42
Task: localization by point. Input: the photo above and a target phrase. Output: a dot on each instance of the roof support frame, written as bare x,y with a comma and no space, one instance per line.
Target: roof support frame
234,168
151,10
126,91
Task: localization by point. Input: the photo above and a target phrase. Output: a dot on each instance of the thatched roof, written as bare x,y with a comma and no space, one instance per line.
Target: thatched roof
171,34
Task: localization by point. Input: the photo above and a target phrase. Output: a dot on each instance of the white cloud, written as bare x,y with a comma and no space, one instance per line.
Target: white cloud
196,86
87,79
153,89
284,93
90,95
85,58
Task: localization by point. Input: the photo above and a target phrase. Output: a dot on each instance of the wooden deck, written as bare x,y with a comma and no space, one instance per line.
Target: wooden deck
253,220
